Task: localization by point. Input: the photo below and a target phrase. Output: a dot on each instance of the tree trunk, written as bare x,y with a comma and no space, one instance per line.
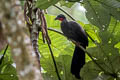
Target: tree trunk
23,54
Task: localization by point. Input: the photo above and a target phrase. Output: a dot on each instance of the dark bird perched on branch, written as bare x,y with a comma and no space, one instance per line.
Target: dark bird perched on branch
74,31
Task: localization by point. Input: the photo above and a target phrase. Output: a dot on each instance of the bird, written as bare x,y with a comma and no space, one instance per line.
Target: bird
73,31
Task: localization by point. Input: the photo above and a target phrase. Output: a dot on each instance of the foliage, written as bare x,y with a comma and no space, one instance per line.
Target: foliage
103,27
7,70
43,4
106,53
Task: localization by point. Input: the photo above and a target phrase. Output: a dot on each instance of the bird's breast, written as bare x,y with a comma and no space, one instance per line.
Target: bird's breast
67,30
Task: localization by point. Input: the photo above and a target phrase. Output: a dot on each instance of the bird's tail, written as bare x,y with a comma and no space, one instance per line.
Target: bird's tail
78,61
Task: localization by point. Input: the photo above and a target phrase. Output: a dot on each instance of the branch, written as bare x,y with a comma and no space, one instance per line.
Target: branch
44,26
81,2
53,60
54,30
64,12
3,54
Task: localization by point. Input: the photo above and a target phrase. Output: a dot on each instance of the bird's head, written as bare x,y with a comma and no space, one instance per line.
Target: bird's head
60,17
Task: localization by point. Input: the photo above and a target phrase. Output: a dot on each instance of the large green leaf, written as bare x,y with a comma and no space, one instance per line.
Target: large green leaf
51,21
89,71
110,3
97,14
44,4
67,4
73,0
106,54
63,64
7,71
112,6
104,77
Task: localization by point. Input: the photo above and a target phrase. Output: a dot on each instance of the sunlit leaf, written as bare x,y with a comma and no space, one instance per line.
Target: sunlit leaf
67,4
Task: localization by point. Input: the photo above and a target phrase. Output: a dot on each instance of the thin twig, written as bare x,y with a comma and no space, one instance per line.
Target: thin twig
95,42
76,1
64,12
44,25
3,54
53,60
54,30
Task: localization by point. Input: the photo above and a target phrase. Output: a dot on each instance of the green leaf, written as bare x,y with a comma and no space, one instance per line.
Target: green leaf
97,14
104,77
110,3
112,6
9,73
67,4
90,71
106,52
115,13
73,0
115,59
66,63
44,4
114,31
51,21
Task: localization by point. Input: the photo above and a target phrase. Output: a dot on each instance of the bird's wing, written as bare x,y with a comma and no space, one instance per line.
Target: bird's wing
79,34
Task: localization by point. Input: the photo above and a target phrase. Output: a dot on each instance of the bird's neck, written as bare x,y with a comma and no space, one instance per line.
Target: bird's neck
64,23
64,20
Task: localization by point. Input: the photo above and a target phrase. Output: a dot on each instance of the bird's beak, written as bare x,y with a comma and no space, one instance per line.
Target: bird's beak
56,18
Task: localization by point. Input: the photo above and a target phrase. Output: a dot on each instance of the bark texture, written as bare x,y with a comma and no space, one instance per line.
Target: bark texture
12,19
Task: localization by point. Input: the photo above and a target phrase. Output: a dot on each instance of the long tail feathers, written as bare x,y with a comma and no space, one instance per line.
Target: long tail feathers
78,61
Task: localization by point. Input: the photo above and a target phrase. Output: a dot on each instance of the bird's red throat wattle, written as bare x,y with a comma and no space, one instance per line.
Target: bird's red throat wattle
61,19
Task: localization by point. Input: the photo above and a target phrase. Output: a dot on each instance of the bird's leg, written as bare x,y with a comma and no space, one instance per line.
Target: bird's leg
76,43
